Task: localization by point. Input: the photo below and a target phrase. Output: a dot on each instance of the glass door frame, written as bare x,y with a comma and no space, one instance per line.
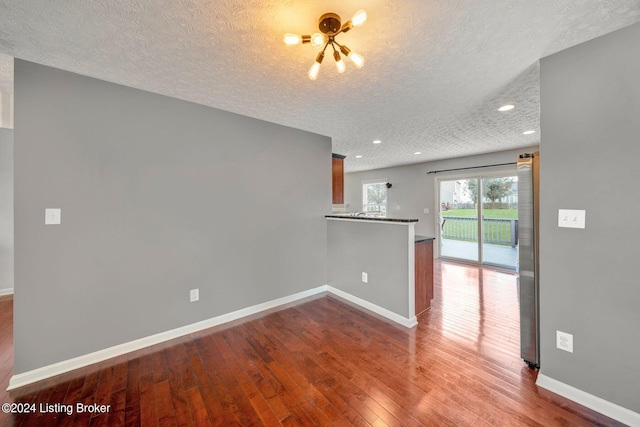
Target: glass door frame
480,176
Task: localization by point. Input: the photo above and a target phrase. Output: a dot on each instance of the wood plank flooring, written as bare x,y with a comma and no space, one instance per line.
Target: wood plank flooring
324,362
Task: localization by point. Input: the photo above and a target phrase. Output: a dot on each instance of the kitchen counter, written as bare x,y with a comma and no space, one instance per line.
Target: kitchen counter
381,265
372,263
369,218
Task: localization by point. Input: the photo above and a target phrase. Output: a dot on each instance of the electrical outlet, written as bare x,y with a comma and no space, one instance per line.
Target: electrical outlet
564,341
425,210
194,295
571,218
365,277
52,216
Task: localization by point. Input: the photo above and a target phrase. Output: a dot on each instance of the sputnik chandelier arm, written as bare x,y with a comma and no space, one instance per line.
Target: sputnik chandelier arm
330,26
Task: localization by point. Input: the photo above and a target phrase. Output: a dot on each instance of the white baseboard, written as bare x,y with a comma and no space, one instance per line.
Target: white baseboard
602,406
39,374
8,291
20,380
404,321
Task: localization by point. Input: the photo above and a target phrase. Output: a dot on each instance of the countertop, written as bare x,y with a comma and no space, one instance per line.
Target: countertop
423,238
369,218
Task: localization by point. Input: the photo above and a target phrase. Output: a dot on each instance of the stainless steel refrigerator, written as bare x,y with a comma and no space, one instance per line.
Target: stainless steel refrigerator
528,225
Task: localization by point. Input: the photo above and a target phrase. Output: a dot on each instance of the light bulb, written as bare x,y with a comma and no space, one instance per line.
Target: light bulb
357,59
359,18
317,40
339,62
315,68
291,39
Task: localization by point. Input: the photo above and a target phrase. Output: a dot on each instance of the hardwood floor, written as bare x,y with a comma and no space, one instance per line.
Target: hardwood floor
320,361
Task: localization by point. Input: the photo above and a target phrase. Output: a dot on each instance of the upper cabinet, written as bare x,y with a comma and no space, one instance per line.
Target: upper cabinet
338,178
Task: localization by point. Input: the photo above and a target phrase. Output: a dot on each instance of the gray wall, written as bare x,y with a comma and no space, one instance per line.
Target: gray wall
590,104
6,210
413,190
380,250
6,110
158,196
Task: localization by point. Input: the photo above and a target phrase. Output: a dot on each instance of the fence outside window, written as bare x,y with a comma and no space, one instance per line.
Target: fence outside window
500,231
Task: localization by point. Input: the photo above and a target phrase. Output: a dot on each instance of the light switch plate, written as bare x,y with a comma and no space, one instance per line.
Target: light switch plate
52,216
194,295
571,218
425,210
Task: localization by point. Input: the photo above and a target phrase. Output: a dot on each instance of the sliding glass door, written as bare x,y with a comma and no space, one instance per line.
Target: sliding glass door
500,221
478,219
459,220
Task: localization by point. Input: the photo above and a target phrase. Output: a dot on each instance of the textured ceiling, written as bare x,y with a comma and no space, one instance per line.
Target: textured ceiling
435,72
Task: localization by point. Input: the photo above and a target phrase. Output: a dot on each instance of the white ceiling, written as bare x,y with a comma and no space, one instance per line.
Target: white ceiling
435,71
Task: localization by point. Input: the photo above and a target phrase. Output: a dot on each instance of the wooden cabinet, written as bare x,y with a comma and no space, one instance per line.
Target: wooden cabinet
424,275
337,178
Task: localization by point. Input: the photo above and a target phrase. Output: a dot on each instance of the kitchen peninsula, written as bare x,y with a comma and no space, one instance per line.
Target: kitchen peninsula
381,265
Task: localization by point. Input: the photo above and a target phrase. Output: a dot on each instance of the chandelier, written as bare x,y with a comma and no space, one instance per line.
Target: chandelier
330,26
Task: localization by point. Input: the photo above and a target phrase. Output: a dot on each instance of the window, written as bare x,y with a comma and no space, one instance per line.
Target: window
374,197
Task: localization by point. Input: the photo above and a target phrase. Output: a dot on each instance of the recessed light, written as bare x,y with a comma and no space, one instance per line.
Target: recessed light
358,157
418,152
377,141
507,107
528,132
